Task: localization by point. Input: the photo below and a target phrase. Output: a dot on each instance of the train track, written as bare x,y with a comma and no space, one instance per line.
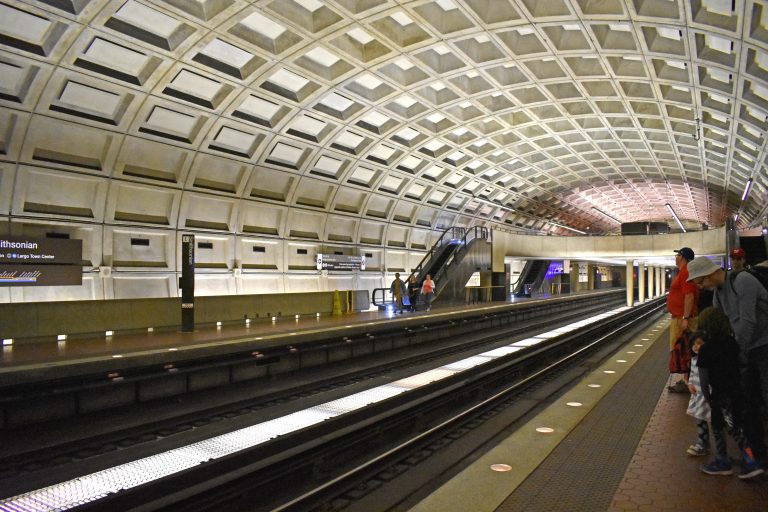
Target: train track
260,477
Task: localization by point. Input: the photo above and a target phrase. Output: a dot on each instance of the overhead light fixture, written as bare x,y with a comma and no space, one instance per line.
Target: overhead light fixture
568,228
601,212
746,189
736,217
677,219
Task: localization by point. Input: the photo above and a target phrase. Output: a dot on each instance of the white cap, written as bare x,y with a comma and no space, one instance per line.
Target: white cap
701,267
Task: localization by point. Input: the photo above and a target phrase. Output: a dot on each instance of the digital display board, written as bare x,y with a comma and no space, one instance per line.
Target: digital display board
340,262
26,261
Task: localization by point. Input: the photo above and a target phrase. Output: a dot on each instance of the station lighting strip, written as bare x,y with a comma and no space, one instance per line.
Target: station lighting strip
89,488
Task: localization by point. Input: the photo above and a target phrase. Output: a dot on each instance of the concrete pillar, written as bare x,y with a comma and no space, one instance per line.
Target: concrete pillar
640,282
590,276
659,277
663,280
630,280
574,277
650,281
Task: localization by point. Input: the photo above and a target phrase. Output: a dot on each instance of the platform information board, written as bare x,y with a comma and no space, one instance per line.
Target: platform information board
340,262
28,261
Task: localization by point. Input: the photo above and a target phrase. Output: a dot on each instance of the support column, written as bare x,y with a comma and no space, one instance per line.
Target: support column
630,282
663,280
640,282
574,277
659,276
590,276
650,282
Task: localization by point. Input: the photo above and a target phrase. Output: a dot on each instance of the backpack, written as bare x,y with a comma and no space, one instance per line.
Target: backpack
759,272
680,356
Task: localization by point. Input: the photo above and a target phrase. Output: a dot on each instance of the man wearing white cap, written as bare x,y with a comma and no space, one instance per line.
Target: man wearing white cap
744,300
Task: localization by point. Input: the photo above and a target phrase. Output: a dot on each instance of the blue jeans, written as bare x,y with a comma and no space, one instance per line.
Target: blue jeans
754,382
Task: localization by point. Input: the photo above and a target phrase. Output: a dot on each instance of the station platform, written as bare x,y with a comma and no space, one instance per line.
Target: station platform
614,442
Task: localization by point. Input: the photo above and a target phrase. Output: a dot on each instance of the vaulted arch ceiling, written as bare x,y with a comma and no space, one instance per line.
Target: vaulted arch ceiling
223,114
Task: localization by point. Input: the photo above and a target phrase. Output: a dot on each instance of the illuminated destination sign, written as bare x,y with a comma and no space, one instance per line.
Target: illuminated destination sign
340,262
26,261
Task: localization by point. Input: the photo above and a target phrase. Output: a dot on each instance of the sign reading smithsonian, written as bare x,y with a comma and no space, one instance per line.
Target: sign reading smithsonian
26,261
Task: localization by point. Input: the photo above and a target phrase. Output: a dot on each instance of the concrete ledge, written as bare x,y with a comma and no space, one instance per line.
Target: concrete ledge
35,321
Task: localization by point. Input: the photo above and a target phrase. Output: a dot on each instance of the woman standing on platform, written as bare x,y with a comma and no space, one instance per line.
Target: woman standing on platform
428,291
413,292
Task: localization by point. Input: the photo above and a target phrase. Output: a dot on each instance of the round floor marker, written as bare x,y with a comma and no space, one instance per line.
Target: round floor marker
574,404
621,360
501,468
593,385
631,352
545,430
638,345
608,371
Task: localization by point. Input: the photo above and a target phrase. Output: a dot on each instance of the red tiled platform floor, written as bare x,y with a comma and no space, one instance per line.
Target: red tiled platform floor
662,477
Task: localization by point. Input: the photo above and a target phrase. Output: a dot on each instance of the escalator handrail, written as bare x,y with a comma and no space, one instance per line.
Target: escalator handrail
433,250
476,232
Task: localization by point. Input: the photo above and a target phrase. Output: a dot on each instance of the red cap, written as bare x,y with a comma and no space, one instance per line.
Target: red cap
737,253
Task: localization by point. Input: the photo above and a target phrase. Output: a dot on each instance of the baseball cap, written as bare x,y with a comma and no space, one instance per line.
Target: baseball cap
686,252
737,253
701,267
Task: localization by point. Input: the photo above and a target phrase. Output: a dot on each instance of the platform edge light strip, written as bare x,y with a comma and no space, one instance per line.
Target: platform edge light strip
94,486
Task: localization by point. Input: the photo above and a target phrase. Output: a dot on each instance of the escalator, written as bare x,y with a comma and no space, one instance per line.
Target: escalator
457,254
471,254
532,275
440,253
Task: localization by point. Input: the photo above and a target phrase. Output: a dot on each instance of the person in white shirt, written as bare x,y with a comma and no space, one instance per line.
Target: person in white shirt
428,291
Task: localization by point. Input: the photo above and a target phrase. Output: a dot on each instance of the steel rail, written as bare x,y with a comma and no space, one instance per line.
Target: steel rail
396,452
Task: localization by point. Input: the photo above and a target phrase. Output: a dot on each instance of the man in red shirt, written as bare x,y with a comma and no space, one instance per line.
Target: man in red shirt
682,306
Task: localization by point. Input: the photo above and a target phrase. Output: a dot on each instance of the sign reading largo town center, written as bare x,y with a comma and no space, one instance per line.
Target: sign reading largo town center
26,261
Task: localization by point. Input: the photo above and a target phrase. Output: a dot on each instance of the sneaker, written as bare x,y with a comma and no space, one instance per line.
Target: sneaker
750,470
717,467
697,450
678,387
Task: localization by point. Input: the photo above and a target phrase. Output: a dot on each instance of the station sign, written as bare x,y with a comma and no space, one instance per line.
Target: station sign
340,262
27,261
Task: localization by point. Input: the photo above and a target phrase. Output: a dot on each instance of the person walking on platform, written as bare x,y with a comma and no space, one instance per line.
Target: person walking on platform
398,292
682,304
413,292
428,291
744,301
719,375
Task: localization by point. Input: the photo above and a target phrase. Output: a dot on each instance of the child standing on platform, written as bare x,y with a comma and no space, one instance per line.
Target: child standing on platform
698,407
718,363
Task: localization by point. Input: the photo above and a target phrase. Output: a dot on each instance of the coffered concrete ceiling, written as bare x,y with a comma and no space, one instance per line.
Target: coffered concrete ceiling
229,115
